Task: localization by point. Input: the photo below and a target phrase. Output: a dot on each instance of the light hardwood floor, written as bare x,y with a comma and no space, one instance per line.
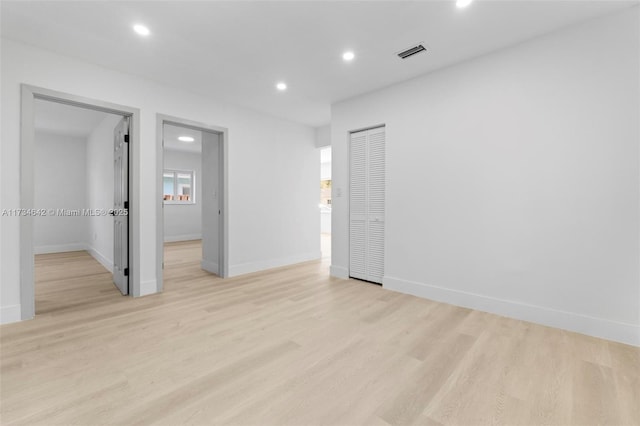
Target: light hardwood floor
293,346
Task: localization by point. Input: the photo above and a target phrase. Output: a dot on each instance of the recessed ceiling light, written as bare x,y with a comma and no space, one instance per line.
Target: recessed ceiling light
185,139
348,56
281,86
141,29
463,3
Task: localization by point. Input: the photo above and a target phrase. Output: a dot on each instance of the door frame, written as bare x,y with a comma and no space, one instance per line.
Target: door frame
29,94
223,133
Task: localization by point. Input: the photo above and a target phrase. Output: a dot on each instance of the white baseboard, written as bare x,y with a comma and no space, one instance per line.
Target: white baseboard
598,327
9,314
147,287
59,248
247,268
210,266
186,237
104,261
339,272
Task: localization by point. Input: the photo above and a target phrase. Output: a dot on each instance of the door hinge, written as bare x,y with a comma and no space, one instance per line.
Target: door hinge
126,138
126,272
126,204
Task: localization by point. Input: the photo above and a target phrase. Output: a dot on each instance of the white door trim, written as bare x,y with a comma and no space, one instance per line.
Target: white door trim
27,136
161,120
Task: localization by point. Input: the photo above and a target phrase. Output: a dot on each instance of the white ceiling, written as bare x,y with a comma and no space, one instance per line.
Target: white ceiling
235,51
171,142
67,120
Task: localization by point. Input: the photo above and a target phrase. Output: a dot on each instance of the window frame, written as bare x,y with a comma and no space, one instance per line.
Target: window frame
175,173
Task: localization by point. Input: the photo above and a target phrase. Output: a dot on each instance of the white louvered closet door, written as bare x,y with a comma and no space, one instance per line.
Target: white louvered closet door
367,202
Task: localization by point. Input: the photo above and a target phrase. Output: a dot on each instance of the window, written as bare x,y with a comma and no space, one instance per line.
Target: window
178,187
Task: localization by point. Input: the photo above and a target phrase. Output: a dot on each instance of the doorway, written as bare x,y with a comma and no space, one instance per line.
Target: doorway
80,242
75,217
325,203
192,199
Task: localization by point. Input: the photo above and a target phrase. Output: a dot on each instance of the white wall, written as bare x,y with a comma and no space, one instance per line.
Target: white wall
183,222
325,170
325,222
75,173
323,136
276,211
100,190
256,143
513,180
59,184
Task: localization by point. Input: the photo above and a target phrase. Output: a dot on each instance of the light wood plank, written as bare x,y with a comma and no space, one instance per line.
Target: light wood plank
292,346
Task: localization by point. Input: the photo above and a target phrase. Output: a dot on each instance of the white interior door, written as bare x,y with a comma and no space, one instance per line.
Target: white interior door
367,204
211,193
121,207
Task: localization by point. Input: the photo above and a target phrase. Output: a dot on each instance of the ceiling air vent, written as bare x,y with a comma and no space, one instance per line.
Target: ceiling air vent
411,51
